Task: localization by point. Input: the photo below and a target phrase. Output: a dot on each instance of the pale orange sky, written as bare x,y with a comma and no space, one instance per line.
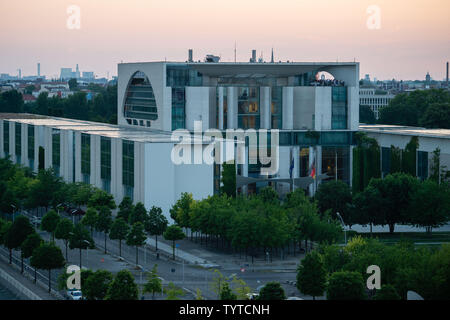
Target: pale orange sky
413,39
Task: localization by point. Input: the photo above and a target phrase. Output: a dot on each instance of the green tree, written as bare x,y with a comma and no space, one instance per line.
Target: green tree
409,156
123,287
136,237
139,214
47,257
387,292
97,284
125,208
156,223
27,248
42,193
81,239
173,292
119,231
226,293
346,285
173,233
436,116
228,179
311,275
20,229
73,84
63,231
430,205
366,115
49,222
90,219
101,199
104,221
154,283
272,291
180,212
337,196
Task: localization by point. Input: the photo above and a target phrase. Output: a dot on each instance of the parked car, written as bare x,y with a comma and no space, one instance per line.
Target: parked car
294,298
75,294
77,212
36,221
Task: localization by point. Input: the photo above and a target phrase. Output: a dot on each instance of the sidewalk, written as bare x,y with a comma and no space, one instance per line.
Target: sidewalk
33,291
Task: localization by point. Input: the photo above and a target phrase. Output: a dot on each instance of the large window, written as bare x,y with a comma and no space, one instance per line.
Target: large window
336,163
56,150
86,157
105,163
277,107
339,108
140,100
183,76
422,165
304,162
6,137
178,108
248,108
31,145
128,167
18,142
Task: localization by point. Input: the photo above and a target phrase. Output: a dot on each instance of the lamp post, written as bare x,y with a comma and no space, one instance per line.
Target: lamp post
87,250
343,224
14,211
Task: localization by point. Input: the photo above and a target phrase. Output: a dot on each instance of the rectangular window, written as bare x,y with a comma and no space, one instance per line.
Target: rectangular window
422,165
336,157
178,108
105,163
6,137
304,162
18,142
128,163
31,142
339,108
56,150
277,107
248,108
86,157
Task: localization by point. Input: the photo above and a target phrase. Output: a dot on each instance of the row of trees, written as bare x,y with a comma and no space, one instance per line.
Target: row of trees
102,107
255,223
399,198
342,272
426,108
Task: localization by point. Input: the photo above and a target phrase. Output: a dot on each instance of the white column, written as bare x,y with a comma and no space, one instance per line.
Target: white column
24,144
232,105
220,108
288,108
265,98
78,177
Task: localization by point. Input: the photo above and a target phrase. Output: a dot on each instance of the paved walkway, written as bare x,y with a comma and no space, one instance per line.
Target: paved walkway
24,281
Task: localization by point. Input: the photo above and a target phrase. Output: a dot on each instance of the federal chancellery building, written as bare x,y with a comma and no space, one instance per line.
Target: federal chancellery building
313,105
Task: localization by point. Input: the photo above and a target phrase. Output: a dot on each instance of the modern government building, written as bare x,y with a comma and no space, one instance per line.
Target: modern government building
316,118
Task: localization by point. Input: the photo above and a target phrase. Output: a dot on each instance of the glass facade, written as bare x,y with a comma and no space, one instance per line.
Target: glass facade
422,165
178,108
31,145
6,137
140,100
339,108
248,108
56,150
86,157
128,167
183,76
105,163
336,157
304,162
277,107
18,142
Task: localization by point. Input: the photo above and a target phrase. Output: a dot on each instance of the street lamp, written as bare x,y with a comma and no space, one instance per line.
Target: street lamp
343,224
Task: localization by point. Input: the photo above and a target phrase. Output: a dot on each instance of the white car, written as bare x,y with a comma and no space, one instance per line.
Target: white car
75,295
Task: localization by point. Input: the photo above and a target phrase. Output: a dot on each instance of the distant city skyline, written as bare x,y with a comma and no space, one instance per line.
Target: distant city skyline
412,39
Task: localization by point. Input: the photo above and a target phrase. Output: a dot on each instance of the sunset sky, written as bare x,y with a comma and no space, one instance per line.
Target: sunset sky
413,38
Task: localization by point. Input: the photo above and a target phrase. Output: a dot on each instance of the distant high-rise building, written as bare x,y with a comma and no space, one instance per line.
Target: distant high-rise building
38,69
428,78
77,72
446,79
66,73
88,75
271,59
